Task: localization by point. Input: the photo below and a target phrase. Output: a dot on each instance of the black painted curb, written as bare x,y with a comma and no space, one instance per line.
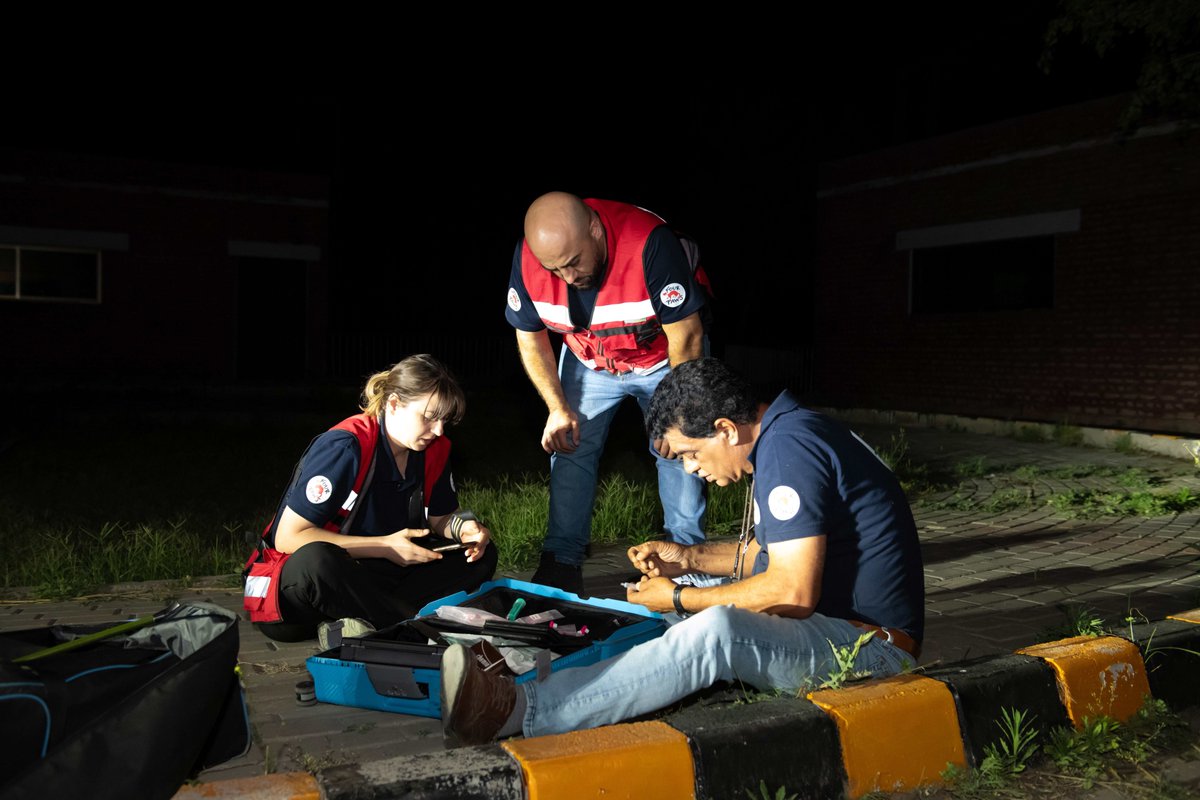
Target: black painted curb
984,687
782,741
487,772
1171,651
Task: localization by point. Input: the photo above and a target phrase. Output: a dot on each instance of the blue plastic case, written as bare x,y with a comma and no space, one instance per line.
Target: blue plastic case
405,679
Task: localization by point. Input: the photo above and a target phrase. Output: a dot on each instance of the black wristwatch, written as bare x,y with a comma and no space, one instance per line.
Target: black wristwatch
675,599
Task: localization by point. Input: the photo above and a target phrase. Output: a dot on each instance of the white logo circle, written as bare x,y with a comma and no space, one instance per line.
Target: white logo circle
318,490
514,299
783,502
673,295
757,516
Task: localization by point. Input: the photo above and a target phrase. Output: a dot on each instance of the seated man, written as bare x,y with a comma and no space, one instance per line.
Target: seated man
835,554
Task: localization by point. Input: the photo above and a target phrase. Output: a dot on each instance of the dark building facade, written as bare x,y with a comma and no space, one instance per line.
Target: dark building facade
1042,268
115,270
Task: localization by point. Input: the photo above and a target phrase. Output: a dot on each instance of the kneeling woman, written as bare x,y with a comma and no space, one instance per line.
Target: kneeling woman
358,532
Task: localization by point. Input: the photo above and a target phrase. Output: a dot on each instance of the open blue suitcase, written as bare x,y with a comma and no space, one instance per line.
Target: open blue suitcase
382,672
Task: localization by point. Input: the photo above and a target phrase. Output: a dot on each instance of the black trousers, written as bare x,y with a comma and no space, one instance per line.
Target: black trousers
322,582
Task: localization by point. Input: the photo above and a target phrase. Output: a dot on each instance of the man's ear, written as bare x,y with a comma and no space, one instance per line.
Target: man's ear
727,428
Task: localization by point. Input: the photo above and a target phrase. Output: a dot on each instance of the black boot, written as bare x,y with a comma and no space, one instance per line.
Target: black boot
552,572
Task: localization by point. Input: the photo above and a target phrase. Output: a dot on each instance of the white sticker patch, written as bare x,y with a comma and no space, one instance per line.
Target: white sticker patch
783,502
757,516
318,489
673,295
514,299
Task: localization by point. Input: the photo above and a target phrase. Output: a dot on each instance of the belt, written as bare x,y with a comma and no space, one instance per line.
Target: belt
893,635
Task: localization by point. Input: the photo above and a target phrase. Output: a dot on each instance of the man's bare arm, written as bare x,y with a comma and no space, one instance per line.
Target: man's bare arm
685,339
537,356
790,587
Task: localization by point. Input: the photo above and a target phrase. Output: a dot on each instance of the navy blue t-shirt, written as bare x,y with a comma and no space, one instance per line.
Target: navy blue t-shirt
813,476
663,262
326,477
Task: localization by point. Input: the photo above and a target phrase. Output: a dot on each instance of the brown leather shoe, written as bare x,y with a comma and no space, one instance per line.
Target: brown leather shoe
475,704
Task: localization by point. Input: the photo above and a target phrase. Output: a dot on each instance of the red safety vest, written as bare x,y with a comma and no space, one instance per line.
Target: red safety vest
624,333
260,595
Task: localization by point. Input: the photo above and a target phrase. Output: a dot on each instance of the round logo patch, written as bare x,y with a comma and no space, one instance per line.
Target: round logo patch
318,489
514,300
673,295
783,502
757,516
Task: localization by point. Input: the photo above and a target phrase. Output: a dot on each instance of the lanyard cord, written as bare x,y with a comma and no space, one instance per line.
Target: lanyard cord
743,543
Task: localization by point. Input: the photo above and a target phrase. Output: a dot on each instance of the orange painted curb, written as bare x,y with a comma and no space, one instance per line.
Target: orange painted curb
1097,676
1187,616
281,786
897,733
630,761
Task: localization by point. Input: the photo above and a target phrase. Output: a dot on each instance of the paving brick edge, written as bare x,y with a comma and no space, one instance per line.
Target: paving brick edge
720,737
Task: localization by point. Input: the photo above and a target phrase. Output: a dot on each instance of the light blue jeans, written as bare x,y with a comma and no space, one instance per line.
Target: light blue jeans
595,397
723,643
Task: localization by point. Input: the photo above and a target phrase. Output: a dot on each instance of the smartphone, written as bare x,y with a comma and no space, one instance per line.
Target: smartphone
445,547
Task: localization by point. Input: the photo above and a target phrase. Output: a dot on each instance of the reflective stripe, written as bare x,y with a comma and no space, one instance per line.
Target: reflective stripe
258,585
620,312
349,504
550,312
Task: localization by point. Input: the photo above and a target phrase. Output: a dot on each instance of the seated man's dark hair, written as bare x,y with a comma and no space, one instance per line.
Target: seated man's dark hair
695,395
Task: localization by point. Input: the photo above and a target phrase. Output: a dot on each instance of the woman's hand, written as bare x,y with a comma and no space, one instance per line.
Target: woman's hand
476,536
660,559
402,551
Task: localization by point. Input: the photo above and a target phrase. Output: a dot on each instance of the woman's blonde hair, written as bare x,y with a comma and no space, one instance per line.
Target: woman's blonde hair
411,378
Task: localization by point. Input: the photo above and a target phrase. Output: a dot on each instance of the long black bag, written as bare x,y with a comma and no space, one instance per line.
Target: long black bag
126,711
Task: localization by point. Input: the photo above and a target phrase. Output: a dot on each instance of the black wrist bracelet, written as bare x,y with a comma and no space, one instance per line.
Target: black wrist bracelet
456,523
675,599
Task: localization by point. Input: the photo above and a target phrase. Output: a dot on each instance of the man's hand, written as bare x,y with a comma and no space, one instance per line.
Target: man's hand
656,594
562,432
402,551
664,448
660,559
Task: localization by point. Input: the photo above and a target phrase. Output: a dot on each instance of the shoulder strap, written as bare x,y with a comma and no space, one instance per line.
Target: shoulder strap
366,431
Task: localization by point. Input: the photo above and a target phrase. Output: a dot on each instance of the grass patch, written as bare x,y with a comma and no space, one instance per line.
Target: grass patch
626,512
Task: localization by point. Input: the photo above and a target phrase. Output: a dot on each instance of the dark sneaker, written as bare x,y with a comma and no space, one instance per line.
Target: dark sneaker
475,704
552,572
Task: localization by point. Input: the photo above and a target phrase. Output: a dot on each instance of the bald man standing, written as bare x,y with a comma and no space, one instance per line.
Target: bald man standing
617,283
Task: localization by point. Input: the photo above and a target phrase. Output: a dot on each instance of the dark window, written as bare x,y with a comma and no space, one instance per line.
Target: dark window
1004,275
8,272
37,274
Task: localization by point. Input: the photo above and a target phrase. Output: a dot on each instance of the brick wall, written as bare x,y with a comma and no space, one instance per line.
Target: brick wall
1120,347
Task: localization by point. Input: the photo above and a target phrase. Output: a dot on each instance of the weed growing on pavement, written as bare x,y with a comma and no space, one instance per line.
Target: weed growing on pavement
1080,621
1029,433
1064,433
763,793
1090,503
1016,746
844,657
1193,450
971,468
1123,443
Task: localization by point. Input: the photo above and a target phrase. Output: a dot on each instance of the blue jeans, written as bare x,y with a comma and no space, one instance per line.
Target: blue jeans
594,397
723,643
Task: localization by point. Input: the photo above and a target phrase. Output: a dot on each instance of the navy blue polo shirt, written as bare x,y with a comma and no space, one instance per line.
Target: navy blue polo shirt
325,476
813,476
663,262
